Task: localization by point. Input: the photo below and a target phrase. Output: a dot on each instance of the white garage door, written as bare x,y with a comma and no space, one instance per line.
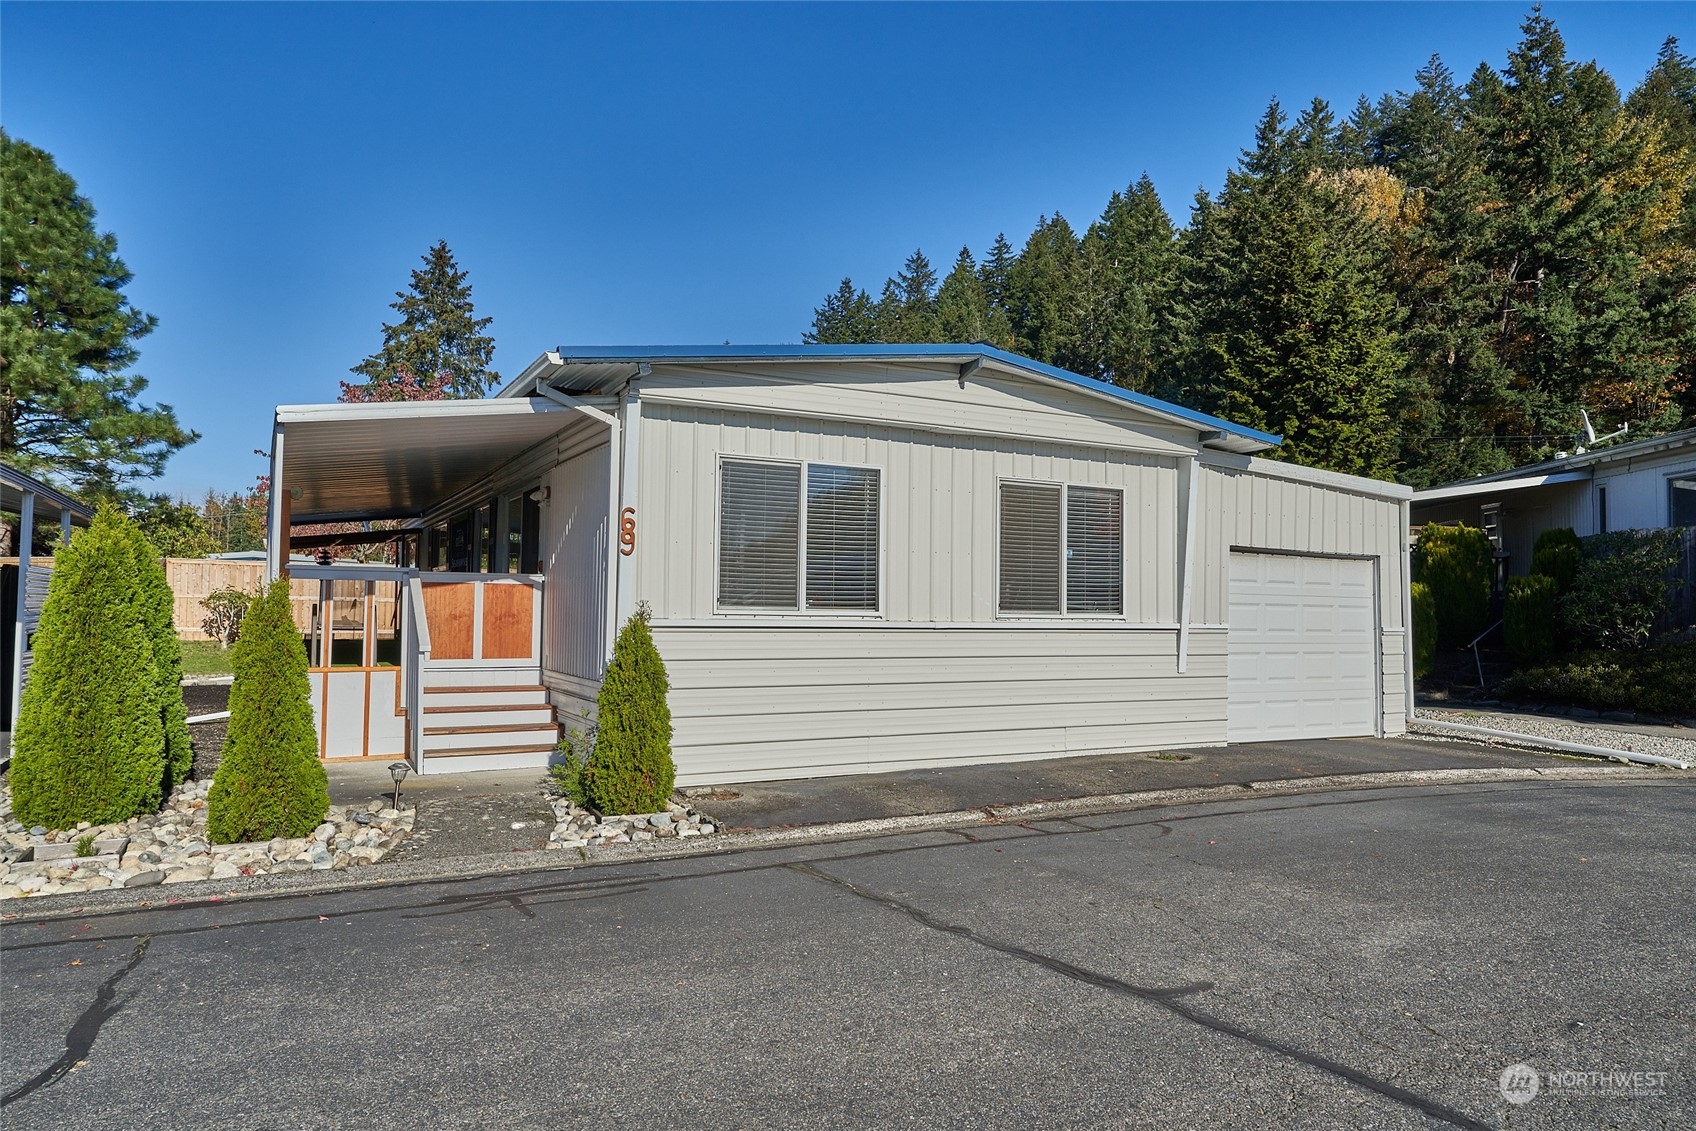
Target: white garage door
1303,664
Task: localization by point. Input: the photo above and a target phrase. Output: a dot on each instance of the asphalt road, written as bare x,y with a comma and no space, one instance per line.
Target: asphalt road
1367,959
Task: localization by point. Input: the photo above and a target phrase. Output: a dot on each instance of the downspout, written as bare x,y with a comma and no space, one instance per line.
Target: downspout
1186,564
610,629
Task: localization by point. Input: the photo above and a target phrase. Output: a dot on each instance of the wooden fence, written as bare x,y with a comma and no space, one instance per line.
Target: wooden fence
192,579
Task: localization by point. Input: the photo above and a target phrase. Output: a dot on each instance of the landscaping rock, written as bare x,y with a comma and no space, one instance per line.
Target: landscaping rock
576,828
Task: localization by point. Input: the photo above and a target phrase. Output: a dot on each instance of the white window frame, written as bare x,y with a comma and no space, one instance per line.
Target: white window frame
1065,485
1667,489
800,609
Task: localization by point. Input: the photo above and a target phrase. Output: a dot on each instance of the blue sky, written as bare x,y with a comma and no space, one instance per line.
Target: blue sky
644,173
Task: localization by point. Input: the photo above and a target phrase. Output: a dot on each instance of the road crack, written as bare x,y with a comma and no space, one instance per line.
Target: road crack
1170,999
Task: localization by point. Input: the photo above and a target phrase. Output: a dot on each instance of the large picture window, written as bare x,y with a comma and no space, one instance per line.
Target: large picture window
1062,549
765,561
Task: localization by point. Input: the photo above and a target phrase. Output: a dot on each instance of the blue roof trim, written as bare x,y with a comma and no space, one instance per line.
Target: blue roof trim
916,352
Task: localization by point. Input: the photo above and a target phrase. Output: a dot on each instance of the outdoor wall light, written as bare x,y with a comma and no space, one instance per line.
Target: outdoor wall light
398,771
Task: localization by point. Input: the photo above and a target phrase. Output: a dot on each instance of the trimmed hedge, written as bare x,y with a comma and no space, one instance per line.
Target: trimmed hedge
90,742
1656,680
1424,630
1557,555
1620,589
1528,619
1455,562
269,782
159,603
630,768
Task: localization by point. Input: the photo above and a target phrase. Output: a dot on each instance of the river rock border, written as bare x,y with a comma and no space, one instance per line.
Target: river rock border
576,827
171,847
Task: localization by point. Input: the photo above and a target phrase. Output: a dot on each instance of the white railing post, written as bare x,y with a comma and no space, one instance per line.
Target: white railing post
416,654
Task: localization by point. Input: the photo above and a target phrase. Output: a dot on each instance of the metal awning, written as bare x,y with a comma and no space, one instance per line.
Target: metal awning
344,462
1495,486
49,500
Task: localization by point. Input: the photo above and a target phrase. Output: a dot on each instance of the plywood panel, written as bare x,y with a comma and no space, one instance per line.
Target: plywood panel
508,616
450,611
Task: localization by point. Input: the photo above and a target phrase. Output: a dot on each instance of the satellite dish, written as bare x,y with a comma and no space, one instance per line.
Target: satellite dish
1589,437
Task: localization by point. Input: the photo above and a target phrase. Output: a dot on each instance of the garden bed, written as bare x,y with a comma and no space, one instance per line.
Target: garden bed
576,827
171,847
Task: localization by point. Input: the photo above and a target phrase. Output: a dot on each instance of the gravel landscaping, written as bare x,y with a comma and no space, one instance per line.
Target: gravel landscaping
170,847
578,828
1563,730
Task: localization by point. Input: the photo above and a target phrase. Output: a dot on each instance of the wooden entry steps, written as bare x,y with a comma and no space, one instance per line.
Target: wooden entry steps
494,727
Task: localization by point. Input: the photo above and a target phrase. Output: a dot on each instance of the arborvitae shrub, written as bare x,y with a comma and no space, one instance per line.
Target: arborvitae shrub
1558,554
1528,619
269,781
1455,562
630,769
1424,630
90,743
160,605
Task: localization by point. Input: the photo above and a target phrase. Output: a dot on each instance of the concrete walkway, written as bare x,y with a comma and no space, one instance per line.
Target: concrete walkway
458,814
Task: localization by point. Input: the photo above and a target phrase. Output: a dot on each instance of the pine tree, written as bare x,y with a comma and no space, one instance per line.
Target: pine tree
963,312
1134,248
1042,292
68,334
269,782
997,267
630,769
844,318
438,338
90,740
907,310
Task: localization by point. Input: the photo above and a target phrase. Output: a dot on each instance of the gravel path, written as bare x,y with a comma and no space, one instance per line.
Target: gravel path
1666,745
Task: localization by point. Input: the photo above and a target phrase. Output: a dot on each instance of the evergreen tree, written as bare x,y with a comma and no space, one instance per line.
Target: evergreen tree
176,530
997,268
68,334
907,310
90,740
1042,292
153,593
630,769
844,318
962,309
438,338
269,782
1134,250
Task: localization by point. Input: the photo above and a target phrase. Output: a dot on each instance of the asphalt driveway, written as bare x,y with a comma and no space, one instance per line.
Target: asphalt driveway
1374,958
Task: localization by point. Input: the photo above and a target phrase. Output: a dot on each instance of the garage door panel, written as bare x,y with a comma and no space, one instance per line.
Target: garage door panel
1303,648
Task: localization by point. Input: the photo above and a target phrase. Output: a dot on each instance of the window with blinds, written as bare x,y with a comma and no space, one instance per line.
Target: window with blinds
1030,548
762,509
759,522
1095,550
1062,548
842,532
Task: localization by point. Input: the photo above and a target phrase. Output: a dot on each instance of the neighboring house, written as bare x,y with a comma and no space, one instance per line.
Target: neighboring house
23,583
855,557
1642,485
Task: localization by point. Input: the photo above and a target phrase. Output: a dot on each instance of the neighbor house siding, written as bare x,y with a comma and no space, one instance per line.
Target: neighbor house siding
1637,489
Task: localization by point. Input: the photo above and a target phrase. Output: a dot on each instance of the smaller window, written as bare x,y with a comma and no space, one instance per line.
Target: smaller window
795,536
1602,509
1061,548
1681,501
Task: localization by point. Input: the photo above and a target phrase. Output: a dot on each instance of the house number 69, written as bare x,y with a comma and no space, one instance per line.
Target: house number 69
627,531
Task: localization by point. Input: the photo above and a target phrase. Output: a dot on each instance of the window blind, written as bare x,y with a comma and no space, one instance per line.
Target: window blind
759,518
842,536
1030,548
1095,550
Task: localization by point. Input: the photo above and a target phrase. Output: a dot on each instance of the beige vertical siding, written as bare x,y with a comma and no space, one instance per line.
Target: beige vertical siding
574,568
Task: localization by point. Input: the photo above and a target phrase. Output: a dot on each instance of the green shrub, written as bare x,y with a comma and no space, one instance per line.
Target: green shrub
574,751
1424,630
1528,619
269,782
1455,561
90,742
224,610
160,604
1557,554
1620,589
1656,680
630,768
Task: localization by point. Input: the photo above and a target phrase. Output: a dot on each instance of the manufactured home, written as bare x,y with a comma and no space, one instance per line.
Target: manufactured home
855,558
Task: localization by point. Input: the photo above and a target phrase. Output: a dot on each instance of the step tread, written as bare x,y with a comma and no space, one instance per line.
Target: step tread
492,687
482,707
480,751
492,728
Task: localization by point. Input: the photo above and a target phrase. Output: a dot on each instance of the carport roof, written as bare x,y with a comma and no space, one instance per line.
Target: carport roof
14,485
395,459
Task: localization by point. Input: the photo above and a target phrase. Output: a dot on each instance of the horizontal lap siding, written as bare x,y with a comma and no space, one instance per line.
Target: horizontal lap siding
772,703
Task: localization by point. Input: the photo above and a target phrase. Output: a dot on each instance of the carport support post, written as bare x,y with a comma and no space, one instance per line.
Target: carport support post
1407,606
1186,565
26,540
630,434
277,516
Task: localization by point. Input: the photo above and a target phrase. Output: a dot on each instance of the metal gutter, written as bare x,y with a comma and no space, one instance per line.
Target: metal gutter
1570,747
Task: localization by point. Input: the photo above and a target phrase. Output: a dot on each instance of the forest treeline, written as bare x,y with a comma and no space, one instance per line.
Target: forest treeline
1427,289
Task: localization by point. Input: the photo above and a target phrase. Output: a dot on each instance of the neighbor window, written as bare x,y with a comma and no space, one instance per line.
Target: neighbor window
764,559
1062,548
1681,501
